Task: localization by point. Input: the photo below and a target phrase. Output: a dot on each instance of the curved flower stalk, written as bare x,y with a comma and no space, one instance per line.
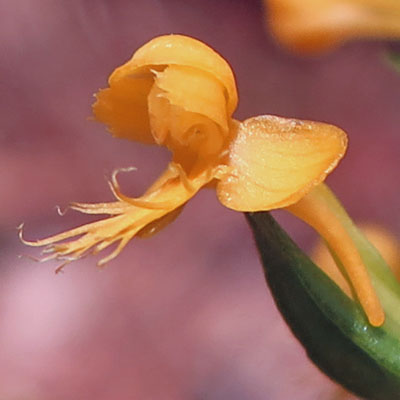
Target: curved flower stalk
313,26
177,92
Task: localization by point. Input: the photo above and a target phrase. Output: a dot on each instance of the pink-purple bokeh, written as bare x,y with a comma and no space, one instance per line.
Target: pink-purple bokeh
186,314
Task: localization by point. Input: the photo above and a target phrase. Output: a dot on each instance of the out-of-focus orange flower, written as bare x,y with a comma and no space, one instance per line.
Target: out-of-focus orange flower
313,26
179,93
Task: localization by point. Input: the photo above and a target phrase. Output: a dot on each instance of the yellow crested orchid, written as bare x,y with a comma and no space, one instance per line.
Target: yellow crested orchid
177,92
313,26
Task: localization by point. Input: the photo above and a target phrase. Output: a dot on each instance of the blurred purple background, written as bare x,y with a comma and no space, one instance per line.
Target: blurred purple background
186,314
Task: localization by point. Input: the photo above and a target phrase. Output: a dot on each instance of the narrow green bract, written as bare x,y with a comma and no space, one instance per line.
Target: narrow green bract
332,327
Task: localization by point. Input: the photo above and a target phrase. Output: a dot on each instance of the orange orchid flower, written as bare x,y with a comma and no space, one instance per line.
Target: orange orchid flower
314,26
177,92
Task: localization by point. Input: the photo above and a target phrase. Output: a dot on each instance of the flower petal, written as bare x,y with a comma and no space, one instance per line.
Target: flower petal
187,109
142,217
189,73
123,108
184,51
275,161
204,94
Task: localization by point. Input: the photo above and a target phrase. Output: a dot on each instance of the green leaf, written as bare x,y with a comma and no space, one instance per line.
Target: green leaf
332,327
394,60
